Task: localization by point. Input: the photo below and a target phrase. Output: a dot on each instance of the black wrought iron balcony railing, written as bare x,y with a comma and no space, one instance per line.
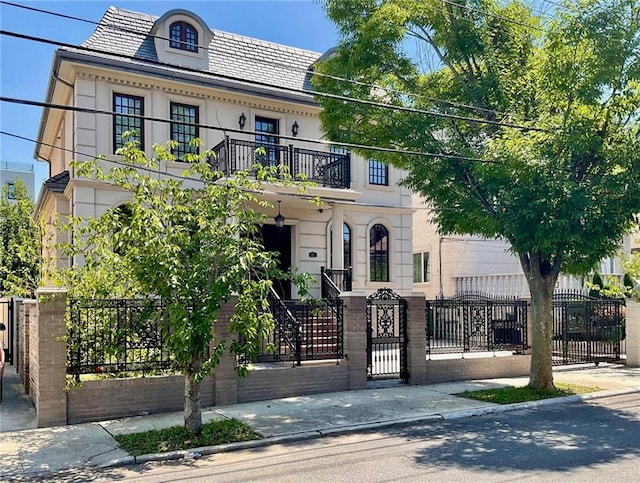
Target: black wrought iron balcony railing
324,168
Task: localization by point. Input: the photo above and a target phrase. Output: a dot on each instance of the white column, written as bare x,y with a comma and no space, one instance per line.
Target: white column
632,325
337,237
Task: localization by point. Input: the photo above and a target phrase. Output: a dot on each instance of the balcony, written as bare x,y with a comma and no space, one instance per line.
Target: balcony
332,170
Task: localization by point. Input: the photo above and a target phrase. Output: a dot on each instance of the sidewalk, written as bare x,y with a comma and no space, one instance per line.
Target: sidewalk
29,452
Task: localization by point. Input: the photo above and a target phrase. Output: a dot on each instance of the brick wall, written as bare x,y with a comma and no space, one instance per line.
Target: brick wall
116,398
48,364
293,381
477,368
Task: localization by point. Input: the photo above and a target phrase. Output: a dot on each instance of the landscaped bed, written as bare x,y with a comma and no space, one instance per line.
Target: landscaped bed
179,438
509,395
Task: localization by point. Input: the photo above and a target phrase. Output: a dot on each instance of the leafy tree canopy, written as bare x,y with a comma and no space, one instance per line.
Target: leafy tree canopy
191,240
531,122
20,243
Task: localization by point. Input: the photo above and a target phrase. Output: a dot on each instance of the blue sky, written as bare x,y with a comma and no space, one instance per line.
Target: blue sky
25,65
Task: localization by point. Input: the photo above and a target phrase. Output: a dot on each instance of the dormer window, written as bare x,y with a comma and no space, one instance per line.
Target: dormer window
183,36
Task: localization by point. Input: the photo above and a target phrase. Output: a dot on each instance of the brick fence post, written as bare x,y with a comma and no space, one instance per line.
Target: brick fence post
49,355
355,338
24,315
225,377
417,338
632,327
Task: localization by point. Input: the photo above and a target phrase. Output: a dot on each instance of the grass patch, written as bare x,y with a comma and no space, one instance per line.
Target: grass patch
509,395
179,438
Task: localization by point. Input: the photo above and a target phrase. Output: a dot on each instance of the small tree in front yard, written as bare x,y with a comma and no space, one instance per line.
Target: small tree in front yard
192,241
20,243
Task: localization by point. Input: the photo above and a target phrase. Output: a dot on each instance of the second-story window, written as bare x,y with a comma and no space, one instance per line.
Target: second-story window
378,173
11,191
184,128
266,138
125,107
183,37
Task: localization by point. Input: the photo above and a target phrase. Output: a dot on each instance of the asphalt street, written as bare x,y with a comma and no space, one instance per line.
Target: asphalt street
592,441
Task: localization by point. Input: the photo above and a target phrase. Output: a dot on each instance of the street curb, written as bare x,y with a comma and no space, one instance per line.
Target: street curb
195,453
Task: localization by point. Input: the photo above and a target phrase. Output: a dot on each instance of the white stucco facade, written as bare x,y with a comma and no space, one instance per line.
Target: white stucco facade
82,80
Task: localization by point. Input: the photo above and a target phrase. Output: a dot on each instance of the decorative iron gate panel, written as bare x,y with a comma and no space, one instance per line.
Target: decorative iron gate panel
586,329
386,336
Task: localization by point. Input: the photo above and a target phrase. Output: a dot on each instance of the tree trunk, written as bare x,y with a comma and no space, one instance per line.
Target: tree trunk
541,278
192,407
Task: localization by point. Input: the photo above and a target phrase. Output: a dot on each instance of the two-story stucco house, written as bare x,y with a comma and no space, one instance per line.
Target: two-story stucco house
152,75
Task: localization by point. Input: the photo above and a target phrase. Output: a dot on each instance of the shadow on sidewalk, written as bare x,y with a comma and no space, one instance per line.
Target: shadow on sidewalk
16,411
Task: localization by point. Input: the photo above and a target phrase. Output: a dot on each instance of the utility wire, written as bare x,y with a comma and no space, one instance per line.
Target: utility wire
325,199
272,86
278,64
244,131
269,63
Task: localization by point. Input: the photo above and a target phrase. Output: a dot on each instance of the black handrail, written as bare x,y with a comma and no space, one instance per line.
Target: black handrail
288,325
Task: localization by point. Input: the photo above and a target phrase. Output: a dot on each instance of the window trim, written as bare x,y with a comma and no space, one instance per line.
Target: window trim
383,275
378,173
425,272
183,43
132,116
183,149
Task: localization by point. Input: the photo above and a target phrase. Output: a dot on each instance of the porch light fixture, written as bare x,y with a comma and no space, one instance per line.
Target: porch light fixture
294,128
242,120
279,219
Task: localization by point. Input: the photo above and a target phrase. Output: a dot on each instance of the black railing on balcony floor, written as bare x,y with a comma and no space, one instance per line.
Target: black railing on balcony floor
324,168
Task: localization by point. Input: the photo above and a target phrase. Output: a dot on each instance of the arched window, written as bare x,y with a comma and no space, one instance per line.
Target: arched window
183,37
379,253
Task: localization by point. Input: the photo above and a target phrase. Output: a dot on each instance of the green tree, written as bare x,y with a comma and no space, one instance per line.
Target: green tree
191,241
20,243
551,160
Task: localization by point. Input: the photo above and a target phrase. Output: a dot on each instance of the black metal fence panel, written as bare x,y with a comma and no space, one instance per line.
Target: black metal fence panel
587,329
386,336
305,330
474,323
9,335
329,169
114,336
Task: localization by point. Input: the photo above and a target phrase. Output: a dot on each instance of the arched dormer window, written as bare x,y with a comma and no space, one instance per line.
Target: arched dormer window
183,36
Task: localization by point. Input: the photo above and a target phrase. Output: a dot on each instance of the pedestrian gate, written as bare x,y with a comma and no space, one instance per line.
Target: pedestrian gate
386,336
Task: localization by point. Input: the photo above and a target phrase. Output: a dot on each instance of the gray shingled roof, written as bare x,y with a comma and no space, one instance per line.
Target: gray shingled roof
57,183
124,32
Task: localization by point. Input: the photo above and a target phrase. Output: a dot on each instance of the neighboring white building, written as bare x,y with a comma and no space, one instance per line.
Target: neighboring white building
175,68
10,172
458,264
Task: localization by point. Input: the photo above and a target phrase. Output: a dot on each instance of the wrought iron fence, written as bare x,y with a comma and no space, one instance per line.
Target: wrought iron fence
587,329
305,330
476,323
328,169
116,335
333,281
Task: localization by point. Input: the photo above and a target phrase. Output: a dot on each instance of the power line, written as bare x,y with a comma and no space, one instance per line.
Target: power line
275,64
188,178
271,63
239,131
272,86
278,87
